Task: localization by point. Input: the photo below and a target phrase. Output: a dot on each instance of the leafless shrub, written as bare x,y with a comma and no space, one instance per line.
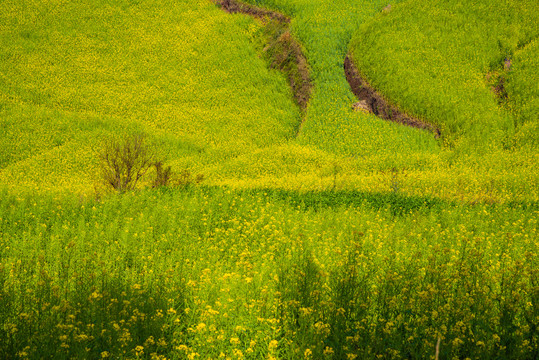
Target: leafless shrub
124,162
186,178
163,175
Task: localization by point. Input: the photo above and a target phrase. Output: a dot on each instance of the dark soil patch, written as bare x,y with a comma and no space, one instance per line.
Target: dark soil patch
282,50
234,7
496,80
499,89
371,101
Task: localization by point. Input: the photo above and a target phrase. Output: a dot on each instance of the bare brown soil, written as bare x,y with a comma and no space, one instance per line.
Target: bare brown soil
283,51
234,6
371,101
496,80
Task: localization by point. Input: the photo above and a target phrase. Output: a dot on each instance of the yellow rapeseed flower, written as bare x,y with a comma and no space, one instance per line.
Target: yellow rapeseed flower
273,345
171,311
328,351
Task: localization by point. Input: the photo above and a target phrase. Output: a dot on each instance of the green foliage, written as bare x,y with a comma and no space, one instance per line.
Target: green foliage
212,271
283,52
522,91
85,312
214,107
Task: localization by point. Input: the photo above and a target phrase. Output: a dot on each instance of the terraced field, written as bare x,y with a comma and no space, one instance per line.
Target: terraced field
295,220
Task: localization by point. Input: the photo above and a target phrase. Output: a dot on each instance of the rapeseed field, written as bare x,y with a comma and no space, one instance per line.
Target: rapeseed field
216,273
316,233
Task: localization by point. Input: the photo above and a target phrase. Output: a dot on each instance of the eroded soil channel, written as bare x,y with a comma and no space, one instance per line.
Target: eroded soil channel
282,51
373,102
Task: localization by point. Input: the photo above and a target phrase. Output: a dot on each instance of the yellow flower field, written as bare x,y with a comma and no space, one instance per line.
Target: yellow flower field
261,230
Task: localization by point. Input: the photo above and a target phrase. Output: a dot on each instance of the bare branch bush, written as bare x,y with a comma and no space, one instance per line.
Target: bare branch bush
163,175
124,162
186,178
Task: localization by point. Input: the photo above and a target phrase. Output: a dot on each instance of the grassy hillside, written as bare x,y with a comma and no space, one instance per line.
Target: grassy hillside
192,78
330,124
352,238
480,156
436,58
73,73
522,93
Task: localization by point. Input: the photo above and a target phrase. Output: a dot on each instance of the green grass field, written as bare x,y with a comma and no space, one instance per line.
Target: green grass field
323,233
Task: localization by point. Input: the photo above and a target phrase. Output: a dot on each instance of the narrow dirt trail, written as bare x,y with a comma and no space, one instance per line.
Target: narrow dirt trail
234,7
373,102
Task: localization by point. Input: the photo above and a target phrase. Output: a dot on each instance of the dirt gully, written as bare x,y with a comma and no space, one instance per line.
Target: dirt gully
371,101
